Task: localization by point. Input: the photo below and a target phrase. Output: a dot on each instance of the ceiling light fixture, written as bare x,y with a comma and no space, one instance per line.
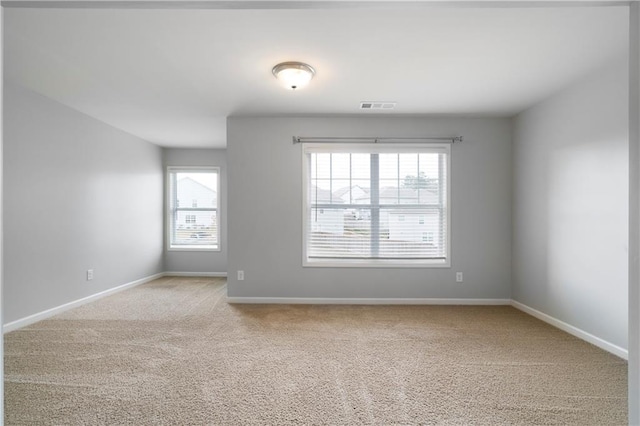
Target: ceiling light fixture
293,75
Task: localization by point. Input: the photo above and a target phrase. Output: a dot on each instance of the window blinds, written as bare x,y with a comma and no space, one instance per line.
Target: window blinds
377,202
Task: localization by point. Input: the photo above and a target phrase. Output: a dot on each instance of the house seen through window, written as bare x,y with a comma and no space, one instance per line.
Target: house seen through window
376,205
193,222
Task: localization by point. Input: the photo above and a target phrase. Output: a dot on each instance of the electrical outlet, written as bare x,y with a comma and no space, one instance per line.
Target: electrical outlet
240,275
459,277
89,274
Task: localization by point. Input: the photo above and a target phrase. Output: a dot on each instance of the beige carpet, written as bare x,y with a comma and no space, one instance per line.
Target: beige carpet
174,352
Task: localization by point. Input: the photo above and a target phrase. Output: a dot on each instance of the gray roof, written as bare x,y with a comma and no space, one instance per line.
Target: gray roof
406,195
340,192
324,196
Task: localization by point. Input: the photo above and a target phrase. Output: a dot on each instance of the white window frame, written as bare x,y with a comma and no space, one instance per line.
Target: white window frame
169,216
372,263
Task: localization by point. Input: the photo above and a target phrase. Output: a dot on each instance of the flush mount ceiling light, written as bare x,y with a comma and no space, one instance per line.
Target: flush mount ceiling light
293,75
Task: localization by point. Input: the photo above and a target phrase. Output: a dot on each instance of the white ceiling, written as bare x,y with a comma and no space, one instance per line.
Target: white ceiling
173,76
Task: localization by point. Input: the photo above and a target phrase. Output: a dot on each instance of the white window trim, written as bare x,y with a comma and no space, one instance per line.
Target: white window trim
194,169
372,263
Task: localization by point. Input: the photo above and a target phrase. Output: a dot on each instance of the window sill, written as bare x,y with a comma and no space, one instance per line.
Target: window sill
193,248
375,263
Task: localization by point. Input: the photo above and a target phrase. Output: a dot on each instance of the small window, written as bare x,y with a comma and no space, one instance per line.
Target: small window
195,227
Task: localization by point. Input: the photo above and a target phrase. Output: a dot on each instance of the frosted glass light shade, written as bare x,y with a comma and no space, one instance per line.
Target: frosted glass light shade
293,75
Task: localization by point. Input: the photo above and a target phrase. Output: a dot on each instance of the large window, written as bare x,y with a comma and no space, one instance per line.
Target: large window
193,207
376,205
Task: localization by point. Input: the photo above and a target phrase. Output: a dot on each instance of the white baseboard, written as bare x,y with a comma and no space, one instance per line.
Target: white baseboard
194,274
601,343
581,334
23,322
364,301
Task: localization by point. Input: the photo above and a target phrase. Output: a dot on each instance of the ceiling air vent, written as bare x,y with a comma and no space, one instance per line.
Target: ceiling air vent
370,105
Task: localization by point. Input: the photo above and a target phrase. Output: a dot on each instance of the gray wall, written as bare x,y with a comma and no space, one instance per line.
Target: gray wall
200,261
265,211
634,218
570,211
78,195
1,219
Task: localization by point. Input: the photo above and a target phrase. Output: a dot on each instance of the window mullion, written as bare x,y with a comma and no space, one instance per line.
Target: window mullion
350,180
418,177
441,177
315,211
331,178
375,204
174,203
398,177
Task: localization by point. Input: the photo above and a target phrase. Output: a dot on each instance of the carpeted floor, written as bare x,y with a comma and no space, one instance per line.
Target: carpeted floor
174,352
